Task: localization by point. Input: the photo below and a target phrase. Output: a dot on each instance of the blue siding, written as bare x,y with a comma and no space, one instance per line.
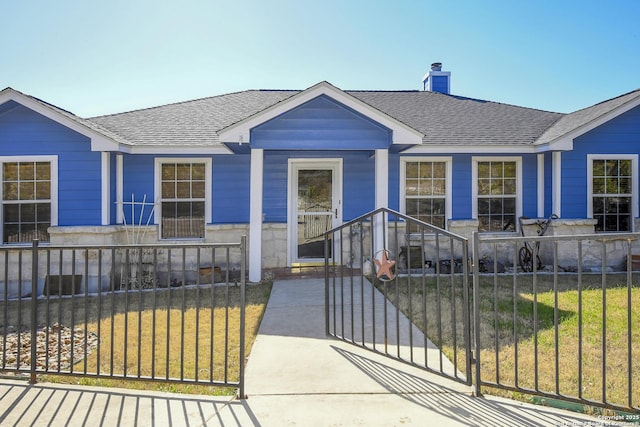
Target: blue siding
461,198
24,132
231,188
440,84
358,192
530,185
138,181
620,135
320,124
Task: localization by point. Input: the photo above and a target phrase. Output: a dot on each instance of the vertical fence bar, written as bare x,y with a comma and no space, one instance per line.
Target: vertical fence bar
556,318
476,310
604,320
580,319
515,313
34,310
183,309
326,283
243,266
6,308
629,335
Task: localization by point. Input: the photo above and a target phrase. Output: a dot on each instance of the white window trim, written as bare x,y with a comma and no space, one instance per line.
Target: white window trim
53,160
474,186
157,185
634,182
448,161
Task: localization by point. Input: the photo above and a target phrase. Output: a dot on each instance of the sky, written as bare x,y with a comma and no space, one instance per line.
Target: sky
102,57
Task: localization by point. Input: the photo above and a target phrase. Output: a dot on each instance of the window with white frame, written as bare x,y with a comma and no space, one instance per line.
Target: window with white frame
425,189
497,199
26,200
183,187
612,192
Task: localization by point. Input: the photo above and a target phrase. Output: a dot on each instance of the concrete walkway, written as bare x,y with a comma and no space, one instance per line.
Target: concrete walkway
295,376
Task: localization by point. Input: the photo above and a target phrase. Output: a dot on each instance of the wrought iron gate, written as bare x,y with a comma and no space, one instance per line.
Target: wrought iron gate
399,287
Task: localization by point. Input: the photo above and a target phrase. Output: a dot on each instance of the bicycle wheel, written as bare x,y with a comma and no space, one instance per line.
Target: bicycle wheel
526,259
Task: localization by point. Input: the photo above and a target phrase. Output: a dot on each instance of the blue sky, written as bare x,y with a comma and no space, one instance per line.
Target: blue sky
100,57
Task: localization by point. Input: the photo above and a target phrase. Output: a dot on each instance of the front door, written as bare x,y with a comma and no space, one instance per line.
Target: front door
315,194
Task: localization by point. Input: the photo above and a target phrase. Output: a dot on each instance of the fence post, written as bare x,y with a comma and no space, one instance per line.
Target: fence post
476,309
34,314
243,268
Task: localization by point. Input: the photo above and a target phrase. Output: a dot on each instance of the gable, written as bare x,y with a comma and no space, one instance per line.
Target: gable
321,123
23,131
622,129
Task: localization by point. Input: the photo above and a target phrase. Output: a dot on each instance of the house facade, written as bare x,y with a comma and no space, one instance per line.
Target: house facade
284,166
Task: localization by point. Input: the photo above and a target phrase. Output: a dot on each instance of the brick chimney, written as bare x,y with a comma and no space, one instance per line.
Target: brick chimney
437,80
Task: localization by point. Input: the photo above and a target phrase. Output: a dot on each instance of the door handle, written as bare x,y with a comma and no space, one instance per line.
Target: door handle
336,213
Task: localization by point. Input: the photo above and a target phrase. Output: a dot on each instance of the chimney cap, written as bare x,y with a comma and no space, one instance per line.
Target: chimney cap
436,66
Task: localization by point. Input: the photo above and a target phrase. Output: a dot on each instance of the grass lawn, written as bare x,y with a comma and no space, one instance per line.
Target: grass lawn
179,335
514,354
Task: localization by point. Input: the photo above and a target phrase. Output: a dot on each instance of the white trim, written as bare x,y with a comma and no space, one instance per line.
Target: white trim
255,215
540,172
448,161
241,131
200,150
53,161
429,149
634,182
556,197
474,183
105,173
295,165
382,178
119,188
157,185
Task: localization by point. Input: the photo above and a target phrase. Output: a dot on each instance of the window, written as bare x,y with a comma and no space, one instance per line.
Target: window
184,188
612,192
497,189
425,188
26,200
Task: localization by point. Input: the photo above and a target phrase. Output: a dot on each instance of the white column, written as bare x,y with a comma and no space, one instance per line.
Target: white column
119,189
381,195
105,177
557,183
255,218
541,185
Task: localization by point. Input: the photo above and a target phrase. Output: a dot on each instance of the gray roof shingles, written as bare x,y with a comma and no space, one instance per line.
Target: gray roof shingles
442,119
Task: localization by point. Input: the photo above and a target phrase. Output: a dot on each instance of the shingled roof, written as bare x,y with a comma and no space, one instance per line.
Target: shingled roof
443,119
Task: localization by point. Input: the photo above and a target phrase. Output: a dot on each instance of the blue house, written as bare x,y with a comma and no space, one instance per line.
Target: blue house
284,166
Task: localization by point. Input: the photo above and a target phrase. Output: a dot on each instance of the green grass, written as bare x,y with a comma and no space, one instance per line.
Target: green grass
513,348
174,330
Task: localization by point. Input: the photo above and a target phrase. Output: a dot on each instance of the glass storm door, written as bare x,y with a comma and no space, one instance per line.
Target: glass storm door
316,209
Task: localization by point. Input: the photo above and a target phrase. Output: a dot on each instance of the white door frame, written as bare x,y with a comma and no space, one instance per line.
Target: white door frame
295,165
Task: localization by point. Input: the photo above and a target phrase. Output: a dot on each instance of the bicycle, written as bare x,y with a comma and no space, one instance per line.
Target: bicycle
525,254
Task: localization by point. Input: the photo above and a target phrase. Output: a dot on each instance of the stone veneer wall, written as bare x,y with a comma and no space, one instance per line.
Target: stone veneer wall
19,265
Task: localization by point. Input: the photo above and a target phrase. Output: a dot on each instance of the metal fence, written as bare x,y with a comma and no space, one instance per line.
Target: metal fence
405,295
170,313
570,328
552,317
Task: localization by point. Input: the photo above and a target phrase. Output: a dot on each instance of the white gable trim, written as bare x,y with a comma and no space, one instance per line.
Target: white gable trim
565,142
99,142
241,131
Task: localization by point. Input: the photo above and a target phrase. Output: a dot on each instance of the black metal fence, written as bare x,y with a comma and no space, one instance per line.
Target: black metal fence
570,328
405,295
552,317
170,313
